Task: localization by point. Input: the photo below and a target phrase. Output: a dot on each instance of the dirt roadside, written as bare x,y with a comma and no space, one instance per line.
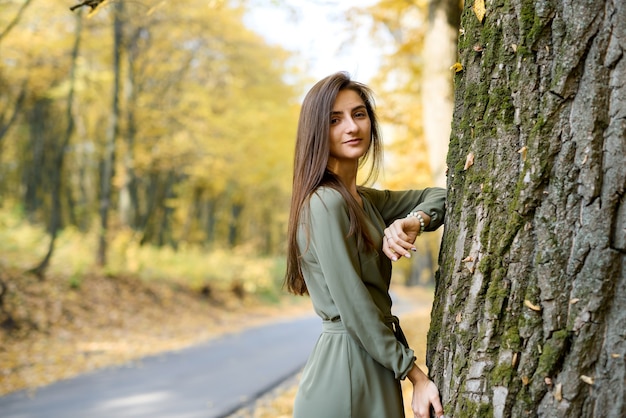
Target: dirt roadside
52,330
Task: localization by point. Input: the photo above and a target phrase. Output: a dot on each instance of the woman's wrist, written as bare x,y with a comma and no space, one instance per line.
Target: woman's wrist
421,217
416,375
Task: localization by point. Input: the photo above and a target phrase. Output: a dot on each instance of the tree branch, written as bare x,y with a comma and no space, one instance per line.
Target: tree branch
15,20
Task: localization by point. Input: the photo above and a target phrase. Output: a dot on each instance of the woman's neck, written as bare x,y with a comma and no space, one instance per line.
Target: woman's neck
347,175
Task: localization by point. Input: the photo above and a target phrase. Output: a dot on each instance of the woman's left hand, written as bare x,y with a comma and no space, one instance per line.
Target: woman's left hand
400,236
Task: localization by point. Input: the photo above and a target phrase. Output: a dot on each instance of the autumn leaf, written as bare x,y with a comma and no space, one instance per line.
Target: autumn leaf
588,380
457,67
532,306
558,392
523,151
469,161
514,359
479,9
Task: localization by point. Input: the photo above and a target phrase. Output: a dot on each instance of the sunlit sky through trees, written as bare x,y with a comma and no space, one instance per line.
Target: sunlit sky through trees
321,36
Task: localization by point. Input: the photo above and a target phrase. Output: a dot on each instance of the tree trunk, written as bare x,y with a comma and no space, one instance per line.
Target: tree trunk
129,200
33,176
112,132
209,220
193,211
164,235
530,305
152,192
56,174
234,225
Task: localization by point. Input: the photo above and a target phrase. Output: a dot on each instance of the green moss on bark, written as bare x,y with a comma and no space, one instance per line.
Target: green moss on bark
552,353
502,375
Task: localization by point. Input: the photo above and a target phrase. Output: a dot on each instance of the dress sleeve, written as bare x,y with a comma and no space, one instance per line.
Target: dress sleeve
397,204
338,259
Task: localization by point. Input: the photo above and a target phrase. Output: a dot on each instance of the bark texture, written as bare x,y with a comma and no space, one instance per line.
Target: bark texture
530,307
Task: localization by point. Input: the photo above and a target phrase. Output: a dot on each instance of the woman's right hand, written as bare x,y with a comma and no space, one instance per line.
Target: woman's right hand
399,237
425,395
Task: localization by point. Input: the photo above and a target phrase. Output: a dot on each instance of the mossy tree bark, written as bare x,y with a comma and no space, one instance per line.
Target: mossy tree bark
529,316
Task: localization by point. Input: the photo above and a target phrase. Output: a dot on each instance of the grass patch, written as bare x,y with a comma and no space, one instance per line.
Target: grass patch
23,245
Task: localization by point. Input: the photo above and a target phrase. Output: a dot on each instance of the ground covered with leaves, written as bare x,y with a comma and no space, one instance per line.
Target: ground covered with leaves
55,328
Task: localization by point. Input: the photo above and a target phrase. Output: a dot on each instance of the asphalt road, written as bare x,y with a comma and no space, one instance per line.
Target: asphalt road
210,380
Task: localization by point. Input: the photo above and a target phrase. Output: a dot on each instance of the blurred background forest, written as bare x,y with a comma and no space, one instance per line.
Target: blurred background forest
156,138
152,141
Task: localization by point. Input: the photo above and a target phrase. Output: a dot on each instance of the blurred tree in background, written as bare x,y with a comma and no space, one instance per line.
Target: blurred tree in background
200,148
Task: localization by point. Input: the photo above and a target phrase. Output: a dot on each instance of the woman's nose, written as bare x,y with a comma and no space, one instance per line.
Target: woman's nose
351,125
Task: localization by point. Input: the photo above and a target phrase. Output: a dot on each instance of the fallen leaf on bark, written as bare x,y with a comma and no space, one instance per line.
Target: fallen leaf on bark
532,306
523,151
558,392
469,161
457,67
588,380
479,9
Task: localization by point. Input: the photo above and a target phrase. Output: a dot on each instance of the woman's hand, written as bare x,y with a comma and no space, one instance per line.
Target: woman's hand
400,236
425,395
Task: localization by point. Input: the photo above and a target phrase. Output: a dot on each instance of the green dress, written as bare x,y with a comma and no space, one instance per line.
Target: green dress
357,363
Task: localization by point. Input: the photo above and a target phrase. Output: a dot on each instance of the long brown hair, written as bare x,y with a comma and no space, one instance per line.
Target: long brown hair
311,161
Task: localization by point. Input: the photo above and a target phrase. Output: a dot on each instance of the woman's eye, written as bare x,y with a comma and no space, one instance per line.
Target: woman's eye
360,115
334,121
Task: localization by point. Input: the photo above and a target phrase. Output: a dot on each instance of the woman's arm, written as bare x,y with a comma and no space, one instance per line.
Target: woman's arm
394,204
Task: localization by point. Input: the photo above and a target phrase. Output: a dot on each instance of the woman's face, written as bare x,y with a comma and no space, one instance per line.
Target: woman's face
350,128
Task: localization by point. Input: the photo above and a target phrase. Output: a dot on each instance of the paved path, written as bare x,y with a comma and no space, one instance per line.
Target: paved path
210,380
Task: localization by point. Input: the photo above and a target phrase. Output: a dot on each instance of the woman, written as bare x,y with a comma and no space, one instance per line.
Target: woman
339,252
